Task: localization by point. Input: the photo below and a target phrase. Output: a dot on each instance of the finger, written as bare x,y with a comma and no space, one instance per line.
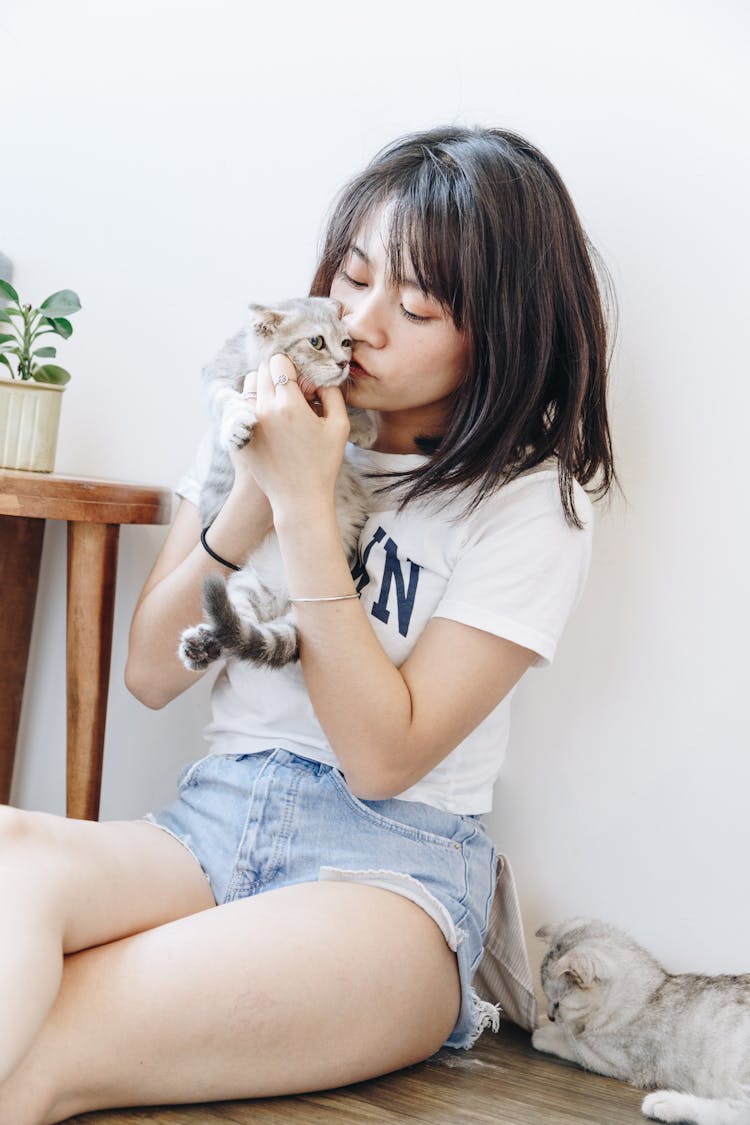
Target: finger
250,385
283,371
333,403
264,386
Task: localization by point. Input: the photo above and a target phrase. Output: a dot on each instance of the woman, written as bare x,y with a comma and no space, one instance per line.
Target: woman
313,908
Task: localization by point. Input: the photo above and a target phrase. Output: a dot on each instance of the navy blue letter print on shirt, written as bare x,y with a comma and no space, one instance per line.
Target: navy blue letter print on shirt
393,576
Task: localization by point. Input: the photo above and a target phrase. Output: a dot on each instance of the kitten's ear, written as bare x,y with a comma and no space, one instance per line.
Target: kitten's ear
548,932
583,966
336,307
264,320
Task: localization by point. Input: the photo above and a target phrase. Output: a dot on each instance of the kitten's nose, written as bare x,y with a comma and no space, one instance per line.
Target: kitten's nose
343,363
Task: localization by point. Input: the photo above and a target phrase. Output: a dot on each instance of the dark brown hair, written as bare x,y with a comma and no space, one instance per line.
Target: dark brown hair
488,227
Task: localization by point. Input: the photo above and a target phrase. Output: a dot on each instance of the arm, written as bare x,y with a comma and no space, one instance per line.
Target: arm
388,726
171,599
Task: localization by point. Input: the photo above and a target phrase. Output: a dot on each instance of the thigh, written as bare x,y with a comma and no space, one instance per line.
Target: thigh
298,989
98,880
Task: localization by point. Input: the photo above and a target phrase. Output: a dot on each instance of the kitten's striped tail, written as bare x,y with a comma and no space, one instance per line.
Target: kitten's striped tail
271,644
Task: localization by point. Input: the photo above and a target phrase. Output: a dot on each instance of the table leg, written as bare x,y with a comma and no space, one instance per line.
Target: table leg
20,556
92,572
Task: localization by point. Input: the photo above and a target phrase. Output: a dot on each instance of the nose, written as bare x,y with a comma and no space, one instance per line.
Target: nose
364,320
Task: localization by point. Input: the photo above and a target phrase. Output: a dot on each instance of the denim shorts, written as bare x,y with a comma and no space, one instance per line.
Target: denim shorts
256,822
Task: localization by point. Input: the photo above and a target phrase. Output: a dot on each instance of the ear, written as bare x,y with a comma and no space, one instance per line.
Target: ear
583,967
336,307
548,932
265,320
552,932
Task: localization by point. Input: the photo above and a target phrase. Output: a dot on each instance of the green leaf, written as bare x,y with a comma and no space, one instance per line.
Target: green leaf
5,336
8,290
46,353
62,303
62,327
4,359
50,373
4,317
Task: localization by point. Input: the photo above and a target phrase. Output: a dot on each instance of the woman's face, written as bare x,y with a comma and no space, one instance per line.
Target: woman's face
408,356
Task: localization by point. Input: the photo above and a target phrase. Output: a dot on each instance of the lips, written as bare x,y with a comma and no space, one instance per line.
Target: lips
357,369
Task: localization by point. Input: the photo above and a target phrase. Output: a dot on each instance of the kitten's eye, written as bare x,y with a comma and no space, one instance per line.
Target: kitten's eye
318,343
346,343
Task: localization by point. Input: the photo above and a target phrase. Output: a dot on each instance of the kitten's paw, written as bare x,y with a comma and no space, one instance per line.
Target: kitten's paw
237,423
668,1105
198,648
363,430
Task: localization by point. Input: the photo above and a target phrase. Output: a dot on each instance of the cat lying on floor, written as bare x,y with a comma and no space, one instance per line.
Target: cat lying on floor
615,1010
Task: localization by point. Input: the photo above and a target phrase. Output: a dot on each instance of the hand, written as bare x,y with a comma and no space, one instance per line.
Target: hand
296,453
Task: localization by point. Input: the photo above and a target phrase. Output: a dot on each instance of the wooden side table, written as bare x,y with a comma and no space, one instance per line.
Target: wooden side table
94,510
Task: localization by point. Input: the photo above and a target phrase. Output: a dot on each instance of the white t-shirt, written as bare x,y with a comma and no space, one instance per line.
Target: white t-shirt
514,568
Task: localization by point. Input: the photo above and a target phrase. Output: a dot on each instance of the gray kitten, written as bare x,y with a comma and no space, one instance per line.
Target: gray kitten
616,1011
249,614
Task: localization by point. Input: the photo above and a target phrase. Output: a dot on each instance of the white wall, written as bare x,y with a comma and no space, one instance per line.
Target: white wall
171,161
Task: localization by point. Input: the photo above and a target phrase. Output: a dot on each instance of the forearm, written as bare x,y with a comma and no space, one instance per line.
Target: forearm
154,673
360,697
172,599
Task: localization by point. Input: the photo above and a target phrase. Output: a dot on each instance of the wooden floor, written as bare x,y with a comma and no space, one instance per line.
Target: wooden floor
501,1080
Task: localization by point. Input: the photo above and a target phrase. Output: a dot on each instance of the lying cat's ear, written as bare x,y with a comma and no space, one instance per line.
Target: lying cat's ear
264,320
548,932
552,932
582,966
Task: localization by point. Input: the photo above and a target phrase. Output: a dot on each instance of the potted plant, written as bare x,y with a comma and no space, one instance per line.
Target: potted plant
30,399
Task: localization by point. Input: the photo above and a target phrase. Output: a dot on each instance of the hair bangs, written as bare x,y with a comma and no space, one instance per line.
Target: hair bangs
423,240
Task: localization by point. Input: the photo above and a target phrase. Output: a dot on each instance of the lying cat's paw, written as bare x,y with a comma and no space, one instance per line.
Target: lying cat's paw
237,423
668,1105
546,1038
198,648
553,1040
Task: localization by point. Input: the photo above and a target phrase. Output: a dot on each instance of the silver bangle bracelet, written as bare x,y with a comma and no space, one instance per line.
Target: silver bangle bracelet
334,598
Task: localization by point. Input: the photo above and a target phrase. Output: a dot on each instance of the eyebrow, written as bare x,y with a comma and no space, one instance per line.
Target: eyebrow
406,282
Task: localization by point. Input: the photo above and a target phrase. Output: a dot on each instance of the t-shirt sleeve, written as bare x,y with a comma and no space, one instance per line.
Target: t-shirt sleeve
190,483
522,567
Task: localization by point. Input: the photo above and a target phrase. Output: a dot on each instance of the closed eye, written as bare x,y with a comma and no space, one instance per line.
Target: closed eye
350,280
413,316
404,312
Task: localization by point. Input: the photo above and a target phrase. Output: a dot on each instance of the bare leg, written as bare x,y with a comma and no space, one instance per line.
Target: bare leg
298,989
66,885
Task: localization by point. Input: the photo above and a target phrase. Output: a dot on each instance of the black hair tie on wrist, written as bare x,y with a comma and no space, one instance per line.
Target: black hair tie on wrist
213,554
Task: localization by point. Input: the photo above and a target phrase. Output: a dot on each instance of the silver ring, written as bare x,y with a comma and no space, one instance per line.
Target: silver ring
249,394
281,379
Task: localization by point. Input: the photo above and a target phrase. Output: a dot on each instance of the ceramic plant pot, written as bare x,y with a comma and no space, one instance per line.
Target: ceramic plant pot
29,423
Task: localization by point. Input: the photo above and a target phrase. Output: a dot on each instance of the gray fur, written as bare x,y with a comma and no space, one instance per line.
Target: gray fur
249,615
616,1011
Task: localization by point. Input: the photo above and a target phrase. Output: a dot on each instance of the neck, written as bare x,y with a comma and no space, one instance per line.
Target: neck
397,432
